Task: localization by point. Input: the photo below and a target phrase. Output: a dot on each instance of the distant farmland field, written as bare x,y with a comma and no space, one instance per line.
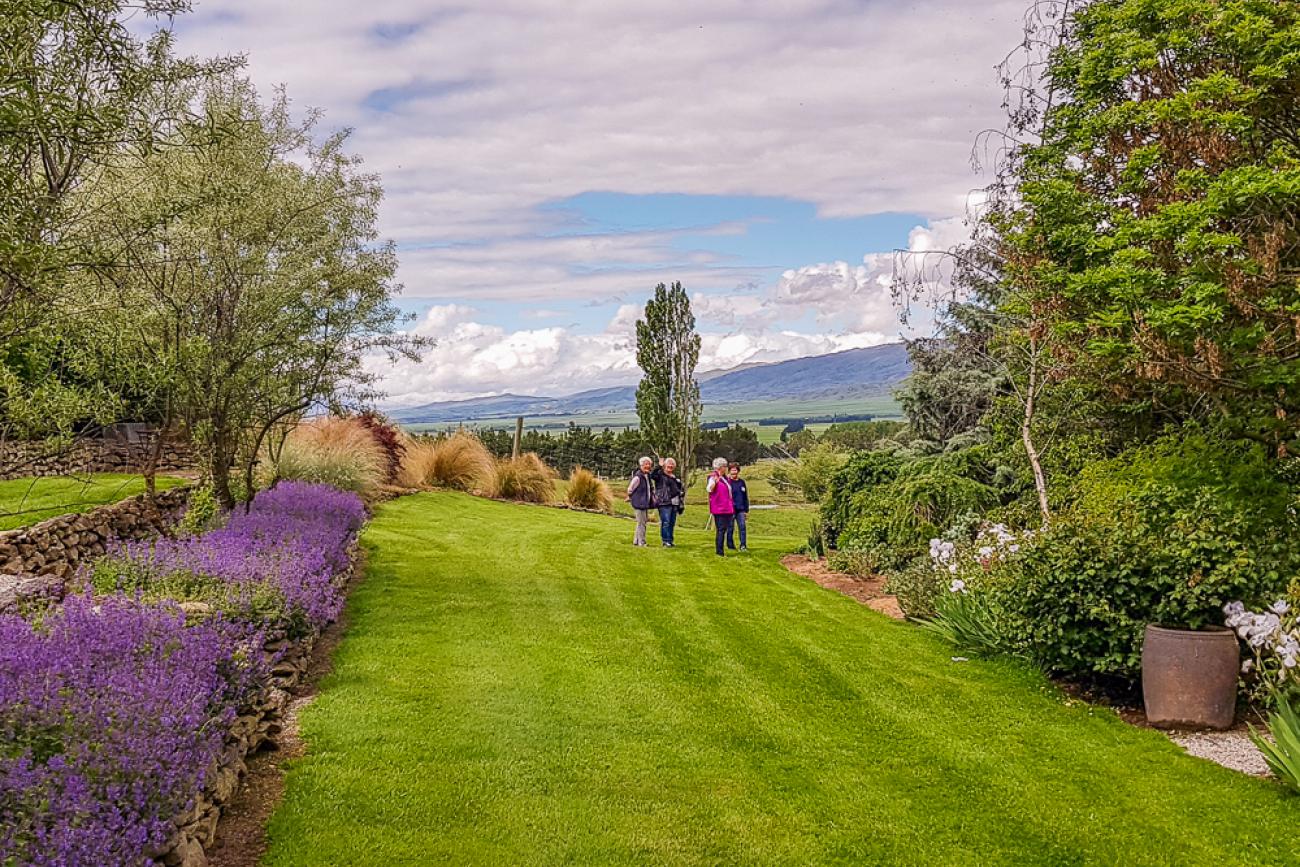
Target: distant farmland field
748,413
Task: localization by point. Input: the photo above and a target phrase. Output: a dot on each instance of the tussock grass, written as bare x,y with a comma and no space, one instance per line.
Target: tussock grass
586,491
341,452
460,462
526,478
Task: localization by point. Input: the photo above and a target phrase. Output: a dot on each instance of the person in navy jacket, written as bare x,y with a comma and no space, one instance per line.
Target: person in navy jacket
638,494
740,502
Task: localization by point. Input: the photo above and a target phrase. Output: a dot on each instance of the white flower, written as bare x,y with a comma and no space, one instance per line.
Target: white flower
1014,549
1279,607
1232,609
985,551
957,586
1247,666
952,567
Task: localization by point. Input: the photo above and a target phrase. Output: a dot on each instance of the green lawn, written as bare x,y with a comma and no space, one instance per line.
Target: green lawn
29,501
519,685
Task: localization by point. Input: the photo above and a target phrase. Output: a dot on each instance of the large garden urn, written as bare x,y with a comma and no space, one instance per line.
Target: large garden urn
1189,676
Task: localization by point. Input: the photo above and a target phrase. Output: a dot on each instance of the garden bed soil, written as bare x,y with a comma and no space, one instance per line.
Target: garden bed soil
869,591
240,839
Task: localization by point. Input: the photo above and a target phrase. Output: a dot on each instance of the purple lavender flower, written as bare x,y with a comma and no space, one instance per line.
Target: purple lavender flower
112,710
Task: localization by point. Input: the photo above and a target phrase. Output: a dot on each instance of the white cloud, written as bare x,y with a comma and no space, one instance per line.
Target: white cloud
477,115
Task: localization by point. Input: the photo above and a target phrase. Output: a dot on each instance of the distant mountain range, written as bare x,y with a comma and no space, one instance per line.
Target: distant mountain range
853,373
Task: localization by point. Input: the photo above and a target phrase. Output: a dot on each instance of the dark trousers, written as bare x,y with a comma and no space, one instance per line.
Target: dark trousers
722,526
667,523
738,524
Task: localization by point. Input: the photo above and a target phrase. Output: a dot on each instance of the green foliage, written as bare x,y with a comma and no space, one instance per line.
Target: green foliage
257,603
968,620
1282,752
812,473
918,586
202,512
859,435
1166,533
1150,227
668,396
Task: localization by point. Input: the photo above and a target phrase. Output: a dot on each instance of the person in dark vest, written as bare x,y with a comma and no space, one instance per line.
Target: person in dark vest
639,495
740,503
669,498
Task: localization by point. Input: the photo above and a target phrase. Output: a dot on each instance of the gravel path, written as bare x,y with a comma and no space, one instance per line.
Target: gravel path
1232,749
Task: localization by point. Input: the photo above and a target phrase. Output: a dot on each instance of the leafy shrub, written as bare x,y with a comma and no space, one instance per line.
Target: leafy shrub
339,452
861,472
1090,584
917,586
586,491
460,462
201,512
389,438
852,561
896,521
525,478
811,473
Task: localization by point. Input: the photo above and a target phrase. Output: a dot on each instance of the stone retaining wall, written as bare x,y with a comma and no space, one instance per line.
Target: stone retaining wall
257,726
94,455
37,561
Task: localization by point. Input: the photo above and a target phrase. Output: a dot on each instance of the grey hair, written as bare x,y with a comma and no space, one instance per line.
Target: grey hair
719,463
668,461
640,461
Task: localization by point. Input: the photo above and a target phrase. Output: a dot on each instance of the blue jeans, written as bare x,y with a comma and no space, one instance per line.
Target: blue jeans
739,524
667,523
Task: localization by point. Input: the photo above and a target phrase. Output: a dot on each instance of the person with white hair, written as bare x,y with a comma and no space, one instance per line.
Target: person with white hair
669,498
639,495
721,505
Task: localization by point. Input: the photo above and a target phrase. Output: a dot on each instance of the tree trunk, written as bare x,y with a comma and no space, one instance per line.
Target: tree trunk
519,438
1026,435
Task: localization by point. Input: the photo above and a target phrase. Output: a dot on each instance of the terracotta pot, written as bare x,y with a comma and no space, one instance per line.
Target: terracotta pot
1189,676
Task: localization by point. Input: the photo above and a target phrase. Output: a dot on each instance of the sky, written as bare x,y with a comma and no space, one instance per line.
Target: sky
545,164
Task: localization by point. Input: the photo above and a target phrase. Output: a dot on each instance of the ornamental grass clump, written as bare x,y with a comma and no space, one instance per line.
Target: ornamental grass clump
526,479
586,491
460,462
111,713
341,452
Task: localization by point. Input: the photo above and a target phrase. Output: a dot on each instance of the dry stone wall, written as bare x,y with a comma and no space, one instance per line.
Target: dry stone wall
97,455
258,726
36,562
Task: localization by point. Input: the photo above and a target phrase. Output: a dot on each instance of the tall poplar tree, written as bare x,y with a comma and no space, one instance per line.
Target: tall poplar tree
668,398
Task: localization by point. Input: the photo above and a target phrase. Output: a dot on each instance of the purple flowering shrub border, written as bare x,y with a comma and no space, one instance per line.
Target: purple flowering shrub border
115,711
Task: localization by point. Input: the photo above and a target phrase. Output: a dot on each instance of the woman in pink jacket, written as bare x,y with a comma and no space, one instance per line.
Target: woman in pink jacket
720,504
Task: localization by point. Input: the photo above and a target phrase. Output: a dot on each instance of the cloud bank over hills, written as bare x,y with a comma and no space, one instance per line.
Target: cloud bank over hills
547,165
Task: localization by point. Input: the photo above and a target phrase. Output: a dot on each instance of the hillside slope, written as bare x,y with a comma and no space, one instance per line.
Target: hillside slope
868,372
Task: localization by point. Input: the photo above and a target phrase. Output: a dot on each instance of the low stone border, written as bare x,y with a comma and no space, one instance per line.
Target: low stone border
258,725
37,562
56,546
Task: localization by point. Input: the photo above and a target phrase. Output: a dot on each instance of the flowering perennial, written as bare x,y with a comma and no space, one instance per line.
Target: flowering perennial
110,714
292,541
1274,639
113,708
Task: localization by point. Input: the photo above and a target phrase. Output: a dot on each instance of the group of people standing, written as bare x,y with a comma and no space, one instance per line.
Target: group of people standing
661,489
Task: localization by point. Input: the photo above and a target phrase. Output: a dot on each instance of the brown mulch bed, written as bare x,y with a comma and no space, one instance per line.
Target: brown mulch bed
868,591
241,833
